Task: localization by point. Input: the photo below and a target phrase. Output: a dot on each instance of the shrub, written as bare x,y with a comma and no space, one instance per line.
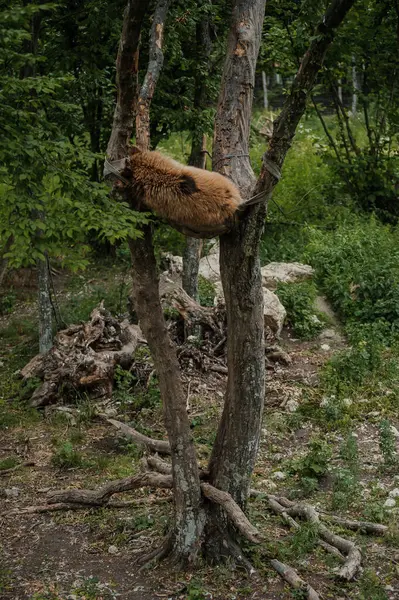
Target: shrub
357,266
66,457
298,300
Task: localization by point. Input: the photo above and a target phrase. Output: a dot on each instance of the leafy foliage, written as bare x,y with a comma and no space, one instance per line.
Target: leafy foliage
298,300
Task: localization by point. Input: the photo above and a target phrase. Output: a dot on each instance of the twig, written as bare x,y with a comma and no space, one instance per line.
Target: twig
292,577
20,466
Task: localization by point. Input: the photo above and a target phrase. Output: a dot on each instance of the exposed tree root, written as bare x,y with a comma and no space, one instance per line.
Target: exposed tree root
234,512
366,526
331,542
160,446
147,560
291,577
280,510
347,547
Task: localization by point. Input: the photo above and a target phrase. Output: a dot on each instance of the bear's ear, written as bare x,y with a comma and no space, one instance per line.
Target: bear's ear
133,150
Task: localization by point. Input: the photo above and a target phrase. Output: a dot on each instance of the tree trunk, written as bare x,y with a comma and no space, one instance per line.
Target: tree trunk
264,85
236,445
189,513
355,87
44,307
235,449
127,65
4,260
193,247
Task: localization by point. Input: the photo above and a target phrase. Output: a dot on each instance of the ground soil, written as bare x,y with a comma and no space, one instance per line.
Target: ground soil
91,553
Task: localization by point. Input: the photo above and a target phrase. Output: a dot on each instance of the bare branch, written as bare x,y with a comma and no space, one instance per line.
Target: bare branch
127,66
292,577
155,64
103,494
160,446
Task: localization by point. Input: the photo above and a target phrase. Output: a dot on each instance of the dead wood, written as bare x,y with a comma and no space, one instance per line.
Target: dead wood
160,446
293,579
16,468
84,358
44,508
101,496
173,295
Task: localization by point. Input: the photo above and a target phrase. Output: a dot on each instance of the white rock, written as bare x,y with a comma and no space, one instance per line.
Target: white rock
347,402
389,503
113,550
394,493
395,431
284,272
209,267
11,492
274,312
325,347
279,475
292,406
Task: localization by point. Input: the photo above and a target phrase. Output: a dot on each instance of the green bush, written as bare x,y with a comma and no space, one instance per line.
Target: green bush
66,457
357,266
298,300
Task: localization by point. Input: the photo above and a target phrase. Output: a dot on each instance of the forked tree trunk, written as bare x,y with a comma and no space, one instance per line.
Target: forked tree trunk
189,513
235,450
237,440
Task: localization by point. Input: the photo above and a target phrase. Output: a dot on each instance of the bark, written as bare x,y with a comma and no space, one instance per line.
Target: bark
236,445
154,69
44,307
187,495
4,260
189,516
127,64
355,87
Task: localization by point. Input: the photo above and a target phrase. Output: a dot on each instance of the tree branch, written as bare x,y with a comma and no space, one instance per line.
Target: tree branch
160,446
127,66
